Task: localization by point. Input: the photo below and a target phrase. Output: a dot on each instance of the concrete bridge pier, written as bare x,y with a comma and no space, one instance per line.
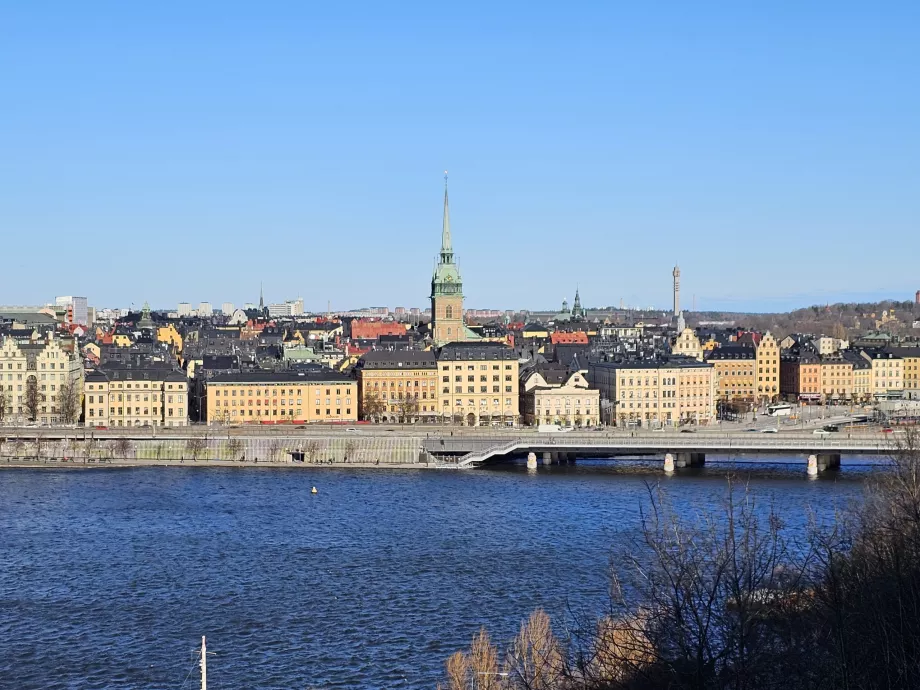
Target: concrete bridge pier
681,459
668,463
812,469
570,458
826,461
531,461
547,458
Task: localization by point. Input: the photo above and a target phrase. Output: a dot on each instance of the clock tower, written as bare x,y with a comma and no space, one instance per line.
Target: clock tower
447,290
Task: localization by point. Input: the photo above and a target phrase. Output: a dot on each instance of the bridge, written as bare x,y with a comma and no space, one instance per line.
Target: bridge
439,446
676,449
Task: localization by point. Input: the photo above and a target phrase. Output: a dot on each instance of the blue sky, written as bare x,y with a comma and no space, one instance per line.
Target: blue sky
177,151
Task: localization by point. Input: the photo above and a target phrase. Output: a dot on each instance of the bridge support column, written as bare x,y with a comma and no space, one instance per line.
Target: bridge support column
697,459
547,458
570,458
531,461
812,469
668,463
682,459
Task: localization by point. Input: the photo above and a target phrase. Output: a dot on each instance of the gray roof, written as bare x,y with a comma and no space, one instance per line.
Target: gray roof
392,359
319,376
475,351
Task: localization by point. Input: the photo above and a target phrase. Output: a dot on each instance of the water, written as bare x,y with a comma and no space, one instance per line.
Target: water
108,578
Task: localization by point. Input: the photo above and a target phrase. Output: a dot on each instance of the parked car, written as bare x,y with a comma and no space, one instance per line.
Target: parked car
688,431
769,430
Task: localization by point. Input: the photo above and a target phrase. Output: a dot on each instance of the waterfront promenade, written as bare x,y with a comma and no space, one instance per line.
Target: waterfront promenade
417,446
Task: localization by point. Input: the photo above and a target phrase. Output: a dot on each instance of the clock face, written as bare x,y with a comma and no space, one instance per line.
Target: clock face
449,279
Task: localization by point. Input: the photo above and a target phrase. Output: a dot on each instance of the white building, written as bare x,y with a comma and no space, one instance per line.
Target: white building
77,308
205,309
184,309
289,308
226,308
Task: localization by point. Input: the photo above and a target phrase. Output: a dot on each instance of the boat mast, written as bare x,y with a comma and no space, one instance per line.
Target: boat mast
204,665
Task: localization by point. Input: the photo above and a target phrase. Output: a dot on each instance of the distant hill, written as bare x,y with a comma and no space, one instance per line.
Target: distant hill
842,320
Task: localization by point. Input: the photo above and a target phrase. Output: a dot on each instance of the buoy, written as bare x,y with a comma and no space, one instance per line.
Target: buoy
314,491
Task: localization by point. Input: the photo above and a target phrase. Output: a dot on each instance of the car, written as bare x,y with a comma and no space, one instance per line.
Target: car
769,430
751,430
821,432
688,431
352,430
887,430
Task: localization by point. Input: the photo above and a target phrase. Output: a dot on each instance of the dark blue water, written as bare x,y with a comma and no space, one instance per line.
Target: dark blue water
108,578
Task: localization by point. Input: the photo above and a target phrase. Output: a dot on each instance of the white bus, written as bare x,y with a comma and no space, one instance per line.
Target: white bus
779,410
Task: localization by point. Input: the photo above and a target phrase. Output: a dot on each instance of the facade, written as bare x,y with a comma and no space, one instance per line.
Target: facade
687,344
553,395
51,365
478,384
800,377
656,393
768,373
398,386
366,329
911,367
282,397
125,396
862,376
447,291
836,379
734,371
887,373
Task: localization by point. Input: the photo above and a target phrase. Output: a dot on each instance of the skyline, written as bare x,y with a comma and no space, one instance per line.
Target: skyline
160,149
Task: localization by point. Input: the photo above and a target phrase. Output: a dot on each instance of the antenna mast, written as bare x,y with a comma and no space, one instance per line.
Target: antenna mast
204,665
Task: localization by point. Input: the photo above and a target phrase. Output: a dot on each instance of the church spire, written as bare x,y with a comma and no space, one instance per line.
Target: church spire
447,250
261,299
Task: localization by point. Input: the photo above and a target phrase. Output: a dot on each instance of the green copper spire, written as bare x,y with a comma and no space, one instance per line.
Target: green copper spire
447,250
446,278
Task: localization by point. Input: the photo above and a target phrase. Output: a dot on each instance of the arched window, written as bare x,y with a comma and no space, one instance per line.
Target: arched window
448,331
449,312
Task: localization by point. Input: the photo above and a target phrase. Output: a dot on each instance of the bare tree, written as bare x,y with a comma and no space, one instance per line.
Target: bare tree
6,399
274,448
33,398
235,448
350,448
122,448
196,446
311,451
407,409
373,406
68,402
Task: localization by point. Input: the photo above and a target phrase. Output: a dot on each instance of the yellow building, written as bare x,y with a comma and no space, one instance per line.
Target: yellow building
478,384
169,334
656,393
687,344
279,397
768,369
887,373
120,396
862,377
836,378
52,367
734,368
550,394
911,367
398,386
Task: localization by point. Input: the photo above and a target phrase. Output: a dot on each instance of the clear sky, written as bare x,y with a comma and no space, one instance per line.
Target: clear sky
184,151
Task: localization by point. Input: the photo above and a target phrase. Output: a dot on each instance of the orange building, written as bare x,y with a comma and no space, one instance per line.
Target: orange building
569,338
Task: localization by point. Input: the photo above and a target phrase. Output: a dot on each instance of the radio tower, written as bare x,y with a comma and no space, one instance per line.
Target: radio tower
676,274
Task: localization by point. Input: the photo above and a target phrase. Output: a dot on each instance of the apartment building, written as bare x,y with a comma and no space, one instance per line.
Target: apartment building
836,378
768,369
263,397
911,367
398,386
154,395
734,369
551,394
887,373
478,383
656,392
52,366
800,376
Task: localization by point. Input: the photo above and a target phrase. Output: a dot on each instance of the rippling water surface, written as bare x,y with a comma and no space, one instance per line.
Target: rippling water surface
108,578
